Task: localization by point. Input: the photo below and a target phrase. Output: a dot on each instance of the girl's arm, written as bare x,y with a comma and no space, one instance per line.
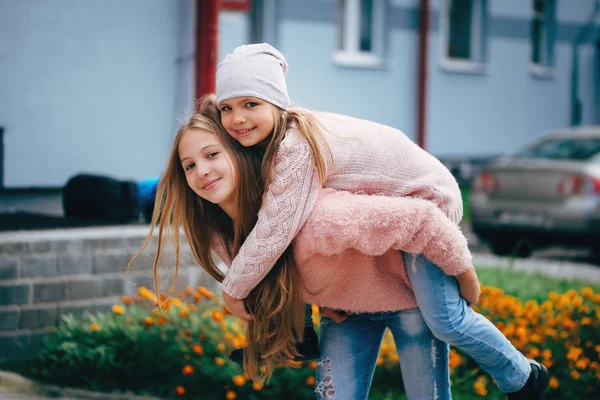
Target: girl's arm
289,200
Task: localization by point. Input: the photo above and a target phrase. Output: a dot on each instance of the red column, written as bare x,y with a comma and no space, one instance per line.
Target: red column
422,66
207,39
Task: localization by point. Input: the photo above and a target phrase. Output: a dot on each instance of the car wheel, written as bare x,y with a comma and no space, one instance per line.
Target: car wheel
505,247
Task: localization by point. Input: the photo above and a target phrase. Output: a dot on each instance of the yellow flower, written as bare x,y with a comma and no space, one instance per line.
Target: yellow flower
257,386
117,309
95,327
146,293
219,361
239,380
230,395
553,383
310,381
221,347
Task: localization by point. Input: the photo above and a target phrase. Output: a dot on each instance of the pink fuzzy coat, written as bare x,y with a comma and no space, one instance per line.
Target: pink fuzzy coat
348,250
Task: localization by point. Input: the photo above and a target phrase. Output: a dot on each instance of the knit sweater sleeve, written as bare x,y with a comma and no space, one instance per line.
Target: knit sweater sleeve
288,202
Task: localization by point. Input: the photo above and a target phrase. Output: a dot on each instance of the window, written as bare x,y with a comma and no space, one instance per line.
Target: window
542,28
360,33
463,35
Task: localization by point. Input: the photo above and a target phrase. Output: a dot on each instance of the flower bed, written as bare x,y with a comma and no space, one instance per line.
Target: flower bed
181,351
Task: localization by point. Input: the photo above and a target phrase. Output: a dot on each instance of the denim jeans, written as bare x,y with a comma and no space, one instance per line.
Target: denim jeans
452,320
349,353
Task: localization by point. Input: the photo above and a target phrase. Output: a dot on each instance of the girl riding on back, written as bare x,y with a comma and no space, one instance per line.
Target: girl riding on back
305,151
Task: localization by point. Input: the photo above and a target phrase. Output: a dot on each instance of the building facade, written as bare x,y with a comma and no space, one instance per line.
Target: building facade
100,86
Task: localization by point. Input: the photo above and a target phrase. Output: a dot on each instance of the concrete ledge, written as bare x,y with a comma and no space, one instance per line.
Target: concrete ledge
14,383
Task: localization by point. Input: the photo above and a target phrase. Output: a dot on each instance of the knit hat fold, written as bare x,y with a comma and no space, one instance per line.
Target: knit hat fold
254,70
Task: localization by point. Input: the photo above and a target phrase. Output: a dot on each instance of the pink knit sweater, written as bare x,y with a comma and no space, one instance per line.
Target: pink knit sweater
365,158
347,251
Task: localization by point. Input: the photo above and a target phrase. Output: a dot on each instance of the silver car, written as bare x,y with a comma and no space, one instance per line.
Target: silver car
548,193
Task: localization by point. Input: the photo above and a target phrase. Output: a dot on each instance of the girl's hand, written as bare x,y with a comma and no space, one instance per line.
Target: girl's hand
336,315
237,307
468,286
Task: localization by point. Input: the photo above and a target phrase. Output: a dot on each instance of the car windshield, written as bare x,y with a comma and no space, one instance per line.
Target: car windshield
578,149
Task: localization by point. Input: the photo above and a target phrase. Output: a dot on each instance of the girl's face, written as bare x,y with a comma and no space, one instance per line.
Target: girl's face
248,120
208,168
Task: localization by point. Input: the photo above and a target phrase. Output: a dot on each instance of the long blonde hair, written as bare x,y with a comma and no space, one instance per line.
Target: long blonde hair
309,128
276,303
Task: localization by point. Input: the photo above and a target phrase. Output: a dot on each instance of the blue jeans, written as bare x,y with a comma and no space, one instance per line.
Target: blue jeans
349,353
452,320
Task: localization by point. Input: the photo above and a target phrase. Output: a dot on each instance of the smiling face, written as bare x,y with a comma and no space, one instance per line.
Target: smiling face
248,120
208,168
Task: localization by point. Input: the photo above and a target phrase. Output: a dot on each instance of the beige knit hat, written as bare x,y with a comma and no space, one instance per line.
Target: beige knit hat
255,70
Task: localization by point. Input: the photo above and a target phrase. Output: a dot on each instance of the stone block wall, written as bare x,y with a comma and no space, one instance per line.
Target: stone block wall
47,274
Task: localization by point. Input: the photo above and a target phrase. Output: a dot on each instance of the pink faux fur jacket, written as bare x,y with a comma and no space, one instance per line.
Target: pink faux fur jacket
348,250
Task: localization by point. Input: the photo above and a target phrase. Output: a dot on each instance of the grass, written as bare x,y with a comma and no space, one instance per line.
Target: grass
466,193
527,286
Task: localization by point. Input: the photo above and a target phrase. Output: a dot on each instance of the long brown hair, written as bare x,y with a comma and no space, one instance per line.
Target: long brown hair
276,303
309,128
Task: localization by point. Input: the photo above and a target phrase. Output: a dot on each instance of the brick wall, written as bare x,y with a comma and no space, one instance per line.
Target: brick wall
47,274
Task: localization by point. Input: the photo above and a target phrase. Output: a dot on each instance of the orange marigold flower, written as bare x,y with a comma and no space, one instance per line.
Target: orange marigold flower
94,326
127,300
553,382
161,320
455,359
188,290
183,314
198,349
219,361
239,380
257,386
117,309
217,316
205,292
480,386
146,293
586,321
221,347
310,381
230,395
312,365
149,321
575,375
587,292
187,370
180,390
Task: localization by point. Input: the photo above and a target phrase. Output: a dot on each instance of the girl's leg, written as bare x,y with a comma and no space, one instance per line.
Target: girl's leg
349,352
423,357
453,321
